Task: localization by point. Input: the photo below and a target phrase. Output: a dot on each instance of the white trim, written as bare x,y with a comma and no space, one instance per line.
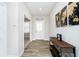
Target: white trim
42,39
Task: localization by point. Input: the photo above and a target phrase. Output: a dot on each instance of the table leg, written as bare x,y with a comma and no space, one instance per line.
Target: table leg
74,52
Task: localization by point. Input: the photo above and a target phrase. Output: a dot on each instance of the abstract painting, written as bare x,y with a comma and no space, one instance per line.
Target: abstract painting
73,13
63,16
58,21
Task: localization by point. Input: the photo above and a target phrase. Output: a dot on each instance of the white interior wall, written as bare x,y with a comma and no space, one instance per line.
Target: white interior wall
21,28
26,27
15,16
3,30
46,29
27,13
69,33
13,37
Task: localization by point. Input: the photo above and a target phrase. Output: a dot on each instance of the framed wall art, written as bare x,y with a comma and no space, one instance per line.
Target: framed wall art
73,13
58,21
63,16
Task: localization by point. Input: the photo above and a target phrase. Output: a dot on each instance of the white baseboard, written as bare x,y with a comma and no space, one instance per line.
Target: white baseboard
41,39
12,56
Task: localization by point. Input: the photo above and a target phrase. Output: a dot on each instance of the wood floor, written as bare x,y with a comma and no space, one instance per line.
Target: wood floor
37,48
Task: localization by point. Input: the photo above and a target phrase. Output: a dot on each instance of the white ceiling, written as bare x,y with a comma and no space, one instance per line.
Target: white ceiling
40,8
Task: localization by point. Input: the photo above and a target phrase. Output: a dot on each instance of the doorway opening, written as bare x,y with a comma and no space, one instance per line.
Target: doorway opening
26,31
39,29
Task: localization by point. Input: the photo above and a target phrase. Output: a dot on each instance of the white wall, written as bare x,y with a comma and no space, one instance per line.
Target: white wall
26,27
46,27
3,29
27,12
69,33
15,16
21,28
13,37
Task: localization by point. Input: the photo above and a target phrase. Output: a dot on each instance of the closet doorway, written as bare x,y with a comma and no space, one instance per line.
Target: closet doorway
26,31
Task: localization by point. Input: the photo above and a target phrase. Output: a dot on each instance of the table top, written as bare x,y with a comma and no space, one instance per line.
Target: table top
62,44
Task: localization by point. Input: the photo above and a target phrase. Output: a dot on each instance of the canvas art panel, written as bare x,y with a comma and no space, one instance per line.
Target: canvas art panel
63,16
58,22
73,13
68,15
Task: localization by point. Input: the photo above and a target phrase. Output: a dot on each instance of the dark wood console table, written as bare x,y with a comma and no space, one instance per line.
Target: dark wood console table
58,48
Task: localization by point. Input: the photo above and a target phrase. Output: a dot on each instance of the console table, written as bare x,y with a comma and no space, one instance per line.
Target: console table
58,48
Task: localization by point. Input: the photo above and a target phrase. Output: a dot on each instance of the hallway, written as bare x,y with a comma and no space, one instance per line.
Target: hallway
37,48
22,23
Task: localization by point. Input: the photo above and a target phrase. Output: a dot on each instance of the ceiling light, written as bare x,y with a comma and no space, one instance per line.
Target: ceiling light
40,9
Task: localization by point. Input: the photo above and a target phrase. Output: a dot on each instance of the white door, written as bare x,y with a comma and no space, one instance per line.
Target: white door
39,30
3,29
